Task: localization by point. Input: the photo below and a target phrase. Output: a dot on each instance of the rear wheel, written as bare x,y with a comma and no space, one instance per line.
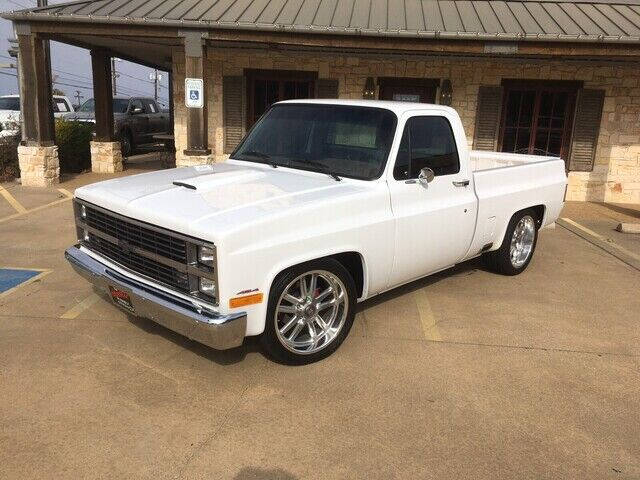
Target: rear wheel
518,245
310,312
126,144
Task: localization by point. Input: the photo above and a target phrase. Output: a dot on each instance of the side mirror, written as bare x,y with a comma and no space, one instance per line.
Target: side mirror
136,110
426,176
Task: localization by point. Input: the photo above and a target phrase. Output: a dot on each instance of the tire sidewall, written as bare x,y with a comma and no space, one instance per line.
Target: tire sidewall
505,258
269,337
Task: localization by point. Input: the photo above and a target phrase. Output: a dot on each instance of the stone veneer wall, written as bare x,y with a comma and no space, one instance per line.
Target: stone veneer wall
106,157
616,173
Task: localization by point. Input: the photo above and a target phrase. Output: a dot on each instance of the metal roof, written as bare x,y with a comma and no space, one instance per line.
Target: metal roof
545,20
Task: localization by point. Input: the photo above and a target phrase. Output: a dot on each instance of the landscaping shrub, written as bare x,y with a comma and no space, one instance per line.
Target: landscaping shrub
74,152
9,168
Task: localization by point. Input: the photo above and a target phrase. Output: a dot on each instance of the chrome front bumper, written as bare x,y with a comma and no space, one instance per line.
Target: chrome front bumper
175,313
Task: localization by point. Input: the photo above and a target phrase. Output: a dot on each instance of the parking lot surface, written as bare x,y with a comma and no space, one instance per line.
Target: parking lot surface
465,374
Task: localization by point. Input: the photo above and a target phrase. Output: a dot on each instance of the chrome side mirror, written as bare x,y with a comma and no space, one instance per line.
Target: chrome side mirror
426,176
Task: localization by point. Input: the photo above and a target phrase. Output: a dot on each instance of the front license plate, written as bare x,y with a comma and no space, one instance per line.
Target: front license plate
121,298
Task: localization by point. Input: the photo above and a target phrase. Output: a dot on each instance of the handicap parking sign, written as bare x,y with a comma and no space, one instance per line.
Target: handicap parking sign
193,88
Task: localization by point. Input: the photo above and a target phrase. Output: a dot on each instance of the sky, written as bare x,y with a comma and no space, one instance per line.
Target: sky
71,66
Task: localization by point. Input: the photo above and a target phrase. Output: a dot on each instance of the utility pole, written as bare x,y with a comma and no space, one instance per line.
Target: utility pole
78,97
156,77
114,75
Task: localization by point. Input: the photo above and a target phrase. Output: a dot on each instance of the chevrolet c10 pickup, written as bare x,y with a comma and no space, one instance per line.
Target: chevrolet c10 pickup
324,204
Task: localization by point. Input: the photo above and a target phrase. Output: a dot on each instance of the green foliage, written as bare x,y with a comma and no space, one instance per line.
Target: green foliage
9,168
74,150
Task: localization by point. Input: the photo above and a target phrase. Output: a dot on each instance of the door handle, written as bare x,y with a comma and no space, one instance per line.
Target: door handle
461,183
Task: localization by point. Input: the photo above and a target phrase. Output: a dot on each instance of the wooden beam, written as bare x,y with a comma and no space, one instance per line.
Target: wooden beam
102,94
197,138
35,91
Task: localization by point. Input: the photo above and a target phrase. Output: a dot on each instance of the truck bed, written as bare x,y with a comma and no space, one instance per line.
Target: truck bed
482,160
507,182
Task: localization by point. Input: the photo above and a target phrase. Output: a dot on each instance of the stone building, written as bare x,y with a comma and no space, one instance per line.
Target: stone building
559,78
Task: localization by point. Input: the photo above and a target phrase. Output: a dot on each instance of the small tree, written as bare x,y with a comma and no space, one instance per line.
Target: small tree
73,140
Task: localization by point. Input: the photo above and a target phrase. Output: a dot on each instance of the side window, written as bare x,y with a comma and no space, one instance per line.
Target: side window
426,142
136,103
151,106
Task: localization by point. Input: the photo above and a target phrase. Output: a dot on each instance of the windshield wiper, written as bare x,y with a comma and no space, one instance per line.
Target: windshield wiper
261,155
323,169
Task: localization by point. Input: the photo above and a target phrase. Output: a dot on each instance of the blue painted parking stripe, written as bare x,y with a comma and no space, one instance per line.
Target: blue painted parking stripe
13,278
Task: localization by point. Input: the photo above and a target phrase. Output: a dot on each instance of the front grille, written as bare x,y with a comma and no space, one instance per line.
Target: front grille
150,268
161,244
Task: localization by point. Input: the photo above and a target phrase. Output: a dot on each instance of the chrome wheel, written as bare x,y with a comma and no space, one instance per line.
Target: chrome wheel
311,312
522,241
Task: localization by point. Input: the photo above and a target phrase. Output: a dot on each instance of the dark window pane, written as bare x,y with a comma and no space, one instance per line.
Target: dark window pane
557,123
401,168
544,122
546,103
554,146
559,108
513,109
432,145
509,140
522,140
289,90
541,142
526,111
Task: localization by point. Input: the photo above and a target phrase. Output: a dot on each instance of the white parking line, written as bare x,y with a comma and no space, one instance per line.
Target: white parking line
80,307
428,321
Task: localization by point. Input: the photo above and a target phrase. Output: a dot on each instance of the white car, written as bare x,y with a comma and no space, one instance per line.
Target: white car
324,204
10,112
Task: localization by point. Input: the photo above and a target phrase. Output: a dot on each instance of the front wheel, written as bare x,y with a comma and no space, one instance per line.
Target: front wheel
518,245
310,312
126,144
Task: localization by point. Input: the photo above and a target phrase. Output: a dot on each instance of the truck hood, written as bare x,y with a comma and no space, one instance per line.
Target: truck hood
224,197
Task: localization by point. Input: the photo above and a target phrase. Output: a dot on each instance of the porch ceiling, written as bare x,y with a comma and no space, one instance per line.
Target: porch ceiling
595,21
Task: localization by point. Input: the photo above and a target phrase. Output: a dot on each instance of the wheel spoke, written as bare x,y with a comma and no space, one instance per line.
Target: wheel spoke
291,299
321,296
303,288
286,309
289,324
321,323
313,284
295,332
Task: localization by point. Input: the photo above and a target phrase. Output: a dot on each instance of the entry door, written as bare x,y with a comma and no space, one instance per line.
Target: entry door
418,90
434,223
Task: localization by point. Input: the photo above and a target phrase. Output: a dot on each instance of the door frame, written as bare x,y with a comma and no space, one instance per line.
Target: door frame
251,75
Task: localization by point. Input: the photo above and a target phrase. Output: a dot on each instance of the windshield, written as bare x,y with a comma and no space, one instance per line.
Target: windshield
120,105
10,103
344,140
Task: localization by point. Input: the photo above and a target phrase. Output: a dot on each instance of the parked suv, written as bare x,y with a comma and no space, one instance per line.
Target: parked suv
136,120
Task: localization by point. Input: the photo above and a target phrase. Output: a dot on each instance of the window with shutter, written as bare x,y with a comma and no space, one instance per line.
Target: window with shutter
586,130
327,88
233,111
488,113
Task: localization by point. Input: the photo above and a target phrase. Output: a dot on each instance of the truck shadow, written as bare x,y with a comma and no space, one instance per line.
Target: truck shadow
252,344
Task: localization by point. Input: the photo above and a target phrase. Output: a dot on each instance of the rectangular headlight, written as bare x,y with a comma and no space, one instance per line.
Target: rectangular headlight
206,255
208,287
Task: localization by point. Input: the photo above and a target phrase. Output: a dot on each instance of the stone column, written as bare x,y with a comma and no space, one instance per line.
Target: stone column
106,154
39,165
106,157
197,151
37,154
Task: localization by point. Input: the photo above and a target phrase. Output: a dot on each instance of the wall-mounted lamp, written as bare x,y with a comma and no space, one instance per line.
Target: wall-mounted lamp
369,92
446,92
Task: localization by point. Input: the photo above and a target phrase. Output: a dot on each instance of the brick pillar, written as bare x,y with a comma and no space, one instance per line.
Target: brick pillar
39,165
106,157
191,160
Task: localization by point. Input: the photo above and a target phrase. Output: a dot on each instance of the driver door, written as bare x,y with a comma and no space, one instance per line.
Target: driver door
435,221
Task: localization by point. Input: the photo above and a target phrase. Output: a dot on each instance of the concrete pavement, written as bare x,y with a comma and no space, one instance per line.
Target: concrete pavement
465,374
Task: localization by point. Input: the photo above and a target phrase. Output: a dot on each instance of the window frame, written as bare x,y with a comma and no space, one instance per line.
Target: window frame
406,125
538,86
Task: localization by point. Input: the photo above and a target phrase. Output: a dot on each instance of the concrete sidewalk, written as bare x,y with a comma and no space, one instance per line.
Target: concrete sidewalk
465,374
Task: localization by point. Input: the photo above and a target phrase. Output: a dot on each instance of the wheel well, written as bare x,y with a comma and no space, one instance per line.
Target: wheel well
539,213
352,261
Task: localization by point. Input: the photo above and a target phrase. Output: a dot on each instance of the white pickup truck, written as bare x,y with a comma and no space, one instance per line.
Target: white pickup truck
324,204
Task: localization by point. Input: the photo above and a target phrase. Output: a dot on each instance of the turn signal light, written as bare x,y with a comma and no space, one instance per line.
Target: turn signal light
246,300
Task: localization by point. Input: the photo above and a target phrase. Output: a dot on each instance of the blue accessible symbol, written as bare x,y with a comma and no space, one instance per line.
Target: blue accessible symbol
194,95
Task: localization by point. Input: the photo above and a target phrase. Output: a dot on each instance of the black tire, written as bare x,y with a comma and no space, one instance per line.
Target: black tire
270,340
499,261
127,146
